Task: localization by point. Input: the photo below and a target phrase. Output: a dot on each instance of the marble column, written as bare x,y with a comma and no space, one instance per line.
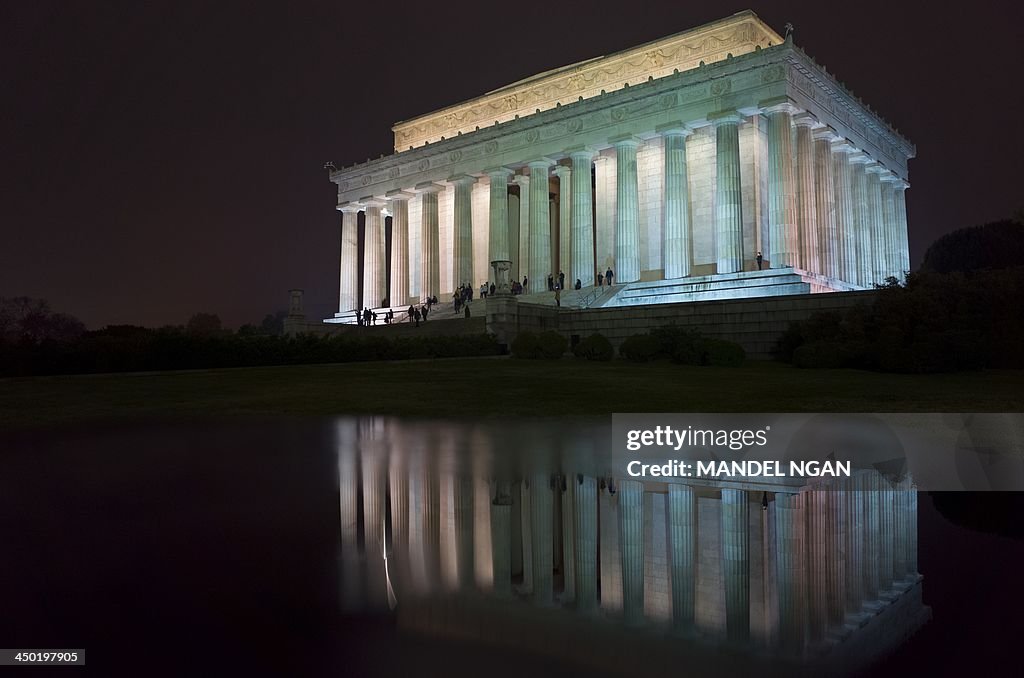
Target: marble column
902,246
514,206
845,223
541,533
861,218
817,552
790,573
825,202
912,532
498,242
374,476
838,526
582,257
374,267
525,522
782,216
806,195
523,181
585,532
682,548
398,493
872,536
565,210
398,202
728,193
462,238
430,284
676,234
736,563
877,222
501,539
888,182
568,508
348,288
348,483
627,210
631,546
900,509
886,534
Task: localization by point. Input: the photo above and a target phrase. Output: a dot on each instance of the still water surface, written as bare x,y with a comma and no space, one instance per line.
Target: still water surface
212,549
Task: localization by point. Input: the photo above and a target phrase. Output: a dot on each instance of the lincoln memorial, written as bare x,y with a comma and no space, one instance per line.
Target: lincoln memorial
674,164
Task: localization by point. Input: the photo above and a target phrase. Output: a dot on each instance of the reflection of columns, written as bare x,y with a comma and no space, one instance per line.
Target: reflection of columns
845,224
399,203
854,542
899,530
540,226
462,238
526,523
886,534
817,561
872,530
912,532
782,238
825,203
789,538
837,504
463,506
582,247
375,480
523,181
682,545
569,540
728,193
585,531
861,218
498,242
398,486
541,524
348,479
565,209
631,546
431,242
373,255
501,540
876,218
348,287
627,210
806,196
676,236
902,248
736,563
430,523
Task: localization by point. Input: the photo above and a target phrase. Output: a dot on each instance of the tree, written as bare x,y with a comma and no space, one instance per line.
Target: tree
273,323
999,244
203,324
23,319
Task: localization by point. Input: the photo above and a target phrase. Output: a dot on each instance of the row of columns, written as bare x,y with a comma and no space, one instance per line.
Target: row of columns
831,210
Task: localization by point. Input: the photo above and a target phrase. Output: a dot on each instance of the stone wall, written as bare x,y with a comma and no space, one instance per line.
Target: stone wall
755,324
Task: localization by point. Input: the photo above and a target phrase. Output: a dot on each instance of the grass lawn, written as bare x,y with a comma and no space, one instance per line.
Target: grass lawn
494,387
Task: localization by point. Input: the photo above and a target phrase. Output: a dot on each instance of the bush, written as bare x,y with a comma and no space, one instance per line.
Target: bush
548,345
594,347
641,348
822,354
720,353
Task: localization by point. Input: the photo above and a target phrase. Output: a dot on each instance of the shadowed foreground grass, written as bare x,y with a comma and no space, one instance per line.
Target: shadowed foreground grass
474,387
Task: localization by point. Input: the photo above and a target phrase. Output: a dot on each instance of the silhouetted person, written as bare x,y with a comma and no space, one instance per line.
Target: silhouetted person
526,284
551,282
426,311
416,316
467,310
600,280
579,285
608,275
359,317
492,289
760,260
561,280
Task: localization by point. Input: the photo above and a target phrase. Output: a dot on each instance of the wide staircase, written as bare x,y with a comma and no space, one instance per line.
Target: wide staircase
441,321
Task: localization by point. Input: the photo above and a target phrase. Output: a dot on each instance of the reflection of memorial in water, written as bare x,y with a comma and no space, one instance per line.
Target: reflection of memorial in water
512,534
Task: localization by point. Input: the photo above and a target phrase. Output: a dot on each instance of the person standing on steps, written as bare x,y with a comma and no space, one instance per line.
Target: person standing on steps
760,261
608,275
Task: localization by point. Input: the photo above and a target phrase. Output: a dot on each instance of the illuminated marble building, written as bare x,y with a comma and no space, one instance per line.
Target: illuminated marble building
444,526
673,163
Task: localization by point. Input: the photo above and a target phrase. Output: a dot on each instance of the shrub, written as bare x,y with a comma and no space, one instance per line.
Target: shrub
594,347
721,353
552,345
526,345
641,348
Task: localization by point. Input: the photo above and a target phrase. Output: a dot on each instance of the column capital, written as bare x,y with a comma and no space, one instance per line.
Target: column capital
624,140
888,177
901,184
874,168
781,104
521,180
428,187
350,207
398,194
499,171
562,171
727,117
826,133
843,146
373,201
462,179
805,119
540,163
674,128
581,151
859,157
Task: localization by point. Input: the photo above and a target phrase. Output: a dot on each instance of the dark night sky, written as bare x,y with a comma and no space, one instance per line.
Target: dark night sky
164,157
